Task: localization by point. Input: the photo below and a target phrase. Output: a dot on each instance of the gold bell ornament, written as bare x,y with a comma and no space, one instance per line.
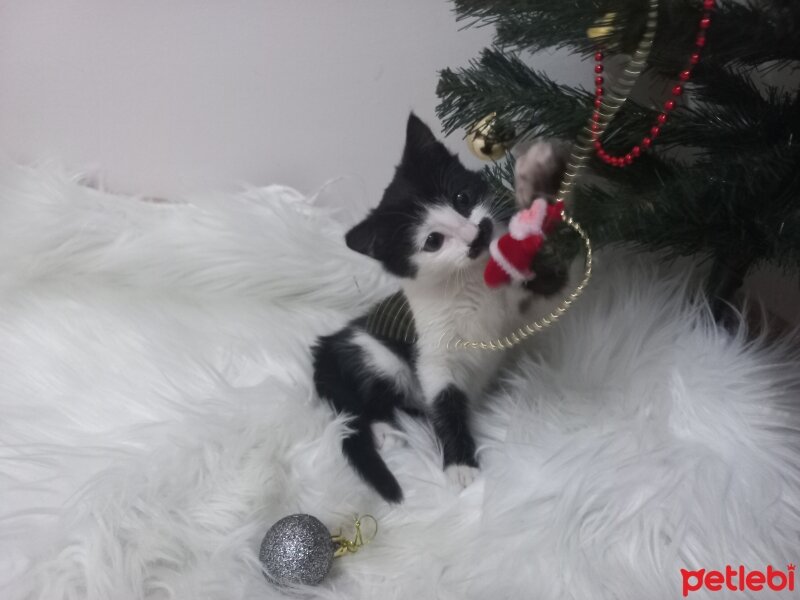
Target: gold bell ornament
482,140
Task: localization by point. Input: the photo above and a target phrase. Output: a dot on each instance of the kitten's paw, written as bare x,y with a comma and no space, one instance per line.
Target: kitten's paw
386,436
461,475
537,171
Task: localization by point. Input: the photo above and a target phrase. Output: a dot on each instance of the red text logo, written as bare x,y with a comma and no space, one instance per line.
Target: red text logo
738,580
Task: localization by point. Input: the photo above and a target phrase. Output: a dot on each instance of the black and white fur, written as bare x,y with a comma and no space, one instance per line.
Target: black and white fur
432,230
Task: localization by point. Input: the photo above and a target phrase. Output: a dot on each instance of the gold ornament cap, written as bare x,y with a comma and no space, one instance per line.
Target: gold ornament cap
603,27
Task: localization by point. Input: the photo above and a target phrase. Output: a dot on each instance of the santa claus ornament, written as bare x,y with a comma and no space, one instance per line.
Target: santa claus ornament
513,253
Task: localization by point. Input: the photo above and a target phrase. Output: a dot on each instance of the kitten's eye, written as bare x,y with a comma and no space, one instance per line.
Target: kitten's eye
461,201
433,242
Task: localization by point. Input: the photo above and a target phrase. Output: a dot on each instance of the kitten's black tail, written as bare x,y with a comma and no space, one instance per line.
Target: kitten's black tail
359,448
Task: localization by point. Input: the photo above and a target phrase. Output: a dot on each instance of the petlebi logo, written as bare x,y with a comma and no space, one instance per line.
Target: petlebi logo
738,579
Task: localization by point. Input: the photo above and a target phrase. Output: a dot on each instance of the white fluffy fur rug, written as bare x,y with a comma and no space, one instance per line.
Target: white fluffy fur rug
158,417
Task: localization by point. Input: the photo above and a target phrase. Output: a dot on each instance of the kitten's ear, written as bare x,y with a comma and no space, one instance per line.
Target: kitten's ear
421,145
418,135
363,237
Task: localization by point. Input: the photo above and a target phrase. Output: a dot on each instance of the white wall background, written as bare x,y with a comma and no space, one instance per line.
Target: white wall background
167,96
163,97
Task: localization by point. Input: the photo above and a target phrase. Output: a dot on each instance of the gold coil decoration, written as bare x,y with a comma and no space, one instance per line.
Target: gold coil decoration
616,93
392,319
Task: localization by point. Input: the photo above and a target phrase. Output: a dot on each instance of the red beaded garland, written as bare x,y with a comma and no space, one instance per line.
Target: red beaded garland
669,105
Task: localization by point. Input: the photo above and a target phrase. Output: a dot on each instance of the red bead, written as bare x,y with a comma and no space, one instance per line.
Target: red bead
700,41
669,105
595,127
677,90
705,22
598,68
654,131
598,145
620,161
598,103
695,58
598,92
636,151
646,142
708,4
662,118
684,76
598,81
598,56
628,159
596,117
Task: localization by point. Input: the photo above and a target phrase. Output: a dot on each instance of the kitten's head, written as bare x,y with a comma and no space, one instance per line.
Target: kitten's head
435,217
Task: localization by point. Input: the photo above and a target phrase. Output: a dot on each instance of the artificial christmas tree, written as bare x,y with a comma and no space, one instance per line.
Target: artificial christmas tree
709,166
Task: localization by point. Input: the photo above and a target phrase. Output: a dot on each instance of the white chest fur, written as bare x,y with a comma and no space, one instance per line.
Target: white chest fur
467,310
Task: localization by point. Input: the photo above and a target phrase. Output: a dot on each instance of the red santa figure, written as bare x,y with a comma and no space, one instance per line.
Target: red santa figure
513,253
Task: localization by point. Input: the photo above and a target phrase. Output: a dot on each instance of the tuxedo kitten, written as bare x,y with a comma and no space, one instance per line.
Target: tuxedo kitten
432,230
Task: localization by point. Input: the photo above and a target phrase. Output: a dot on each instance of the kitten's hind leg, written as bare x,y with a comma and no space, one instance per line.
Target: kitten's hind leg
387,435
449,416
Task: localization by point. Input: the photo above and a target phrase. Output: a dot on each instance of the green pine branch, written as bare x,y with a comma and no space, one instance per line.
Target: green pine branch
523,98
723,179
751,33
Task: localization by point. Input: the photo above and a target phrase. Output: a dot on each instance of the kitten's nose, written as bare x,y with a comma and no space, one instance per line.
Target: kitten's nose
482,240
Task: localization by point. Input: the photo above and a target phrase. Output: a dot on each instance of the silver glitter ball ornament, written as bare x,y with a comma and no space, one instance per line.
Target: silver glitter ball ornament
297,550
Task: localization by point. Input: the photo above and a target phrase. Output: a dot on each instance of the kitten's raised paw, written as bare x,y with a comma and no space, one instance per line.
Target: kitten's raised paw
537,171
386,436
461,475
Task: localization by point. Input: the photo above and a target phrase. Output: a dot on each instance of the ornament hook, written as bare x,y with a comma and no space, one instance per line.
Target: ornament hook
350,546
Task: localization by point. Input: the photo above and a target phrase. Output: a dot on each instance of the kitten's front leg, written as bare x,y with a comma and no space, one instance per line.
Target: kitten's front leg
450,422
538,171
